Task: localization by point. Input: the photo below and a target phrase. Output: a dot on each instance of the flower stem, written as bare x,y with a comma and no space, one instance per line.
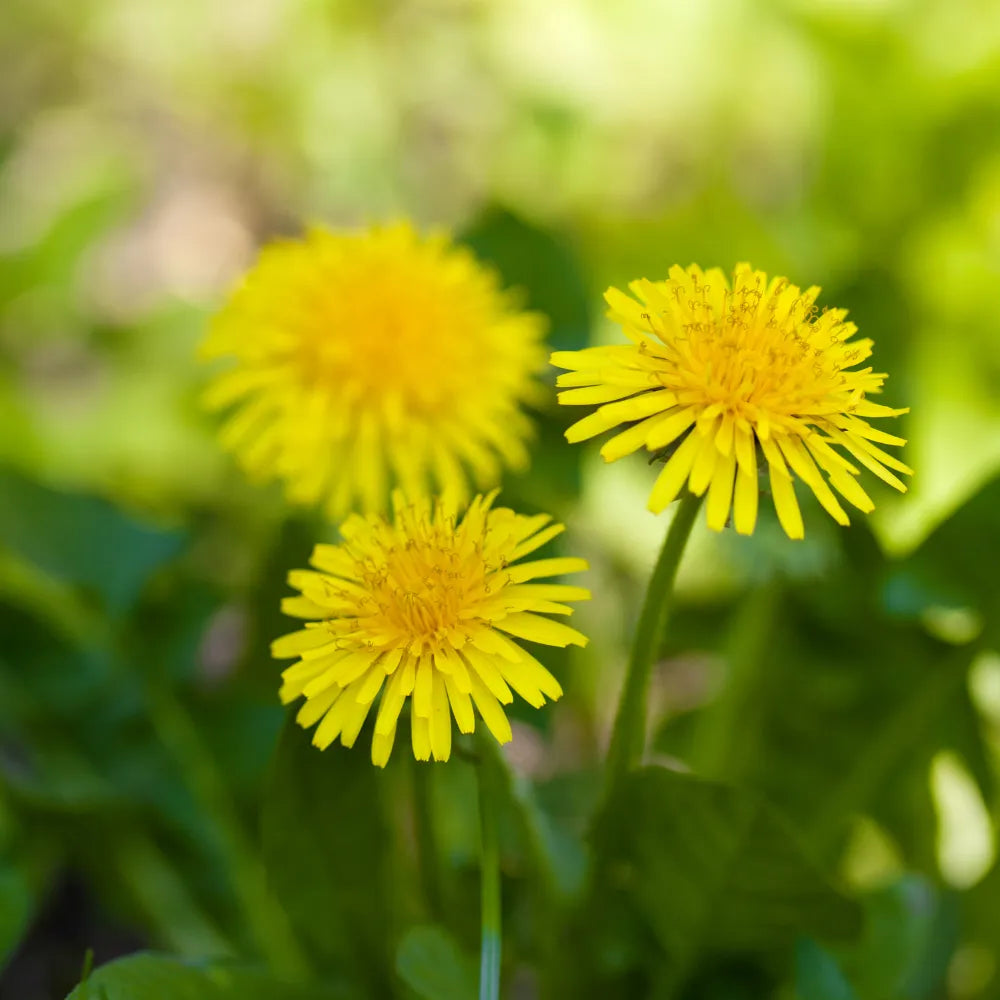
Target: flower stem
492,937
628,738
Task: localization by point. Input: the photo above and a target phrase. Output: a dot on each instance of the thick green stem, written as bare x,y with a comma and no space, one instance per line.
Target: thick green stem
492,936
266,920
428,856
628,738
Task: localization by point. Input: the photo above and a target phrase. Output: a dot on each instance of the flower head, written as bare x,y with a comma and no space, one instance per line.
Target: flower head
424,607
722,379
372,359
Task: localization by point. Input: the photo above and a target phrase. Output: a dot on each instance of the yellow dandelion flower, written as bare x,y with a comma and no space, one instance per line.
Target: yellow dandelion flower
722,379
370,360
425,607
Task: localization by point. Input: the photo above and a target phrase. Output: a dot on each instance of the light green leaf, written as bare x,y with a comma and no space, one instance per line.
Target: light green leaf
433,966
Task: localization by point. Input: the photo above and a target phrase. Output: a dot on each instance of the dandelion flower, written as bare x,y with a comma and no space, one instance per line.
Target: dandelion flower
425,607
723,380
367,360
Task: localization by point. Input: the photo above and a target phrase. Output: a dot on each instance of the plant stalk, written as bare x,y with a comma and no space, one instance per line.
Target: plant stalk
492,935
628,737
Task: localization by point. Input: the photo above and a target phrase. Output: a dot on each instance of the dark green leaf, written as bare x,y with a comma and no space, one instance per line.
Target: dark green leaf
817,974
17,901
948,570
710,869
541,265
902,955
81,540
325,847
159,977
433,966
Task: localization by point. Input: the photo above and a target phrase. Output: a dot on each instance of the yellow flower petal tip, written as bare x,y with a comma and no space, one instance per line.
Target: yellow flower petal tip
360,361
726,379
428,606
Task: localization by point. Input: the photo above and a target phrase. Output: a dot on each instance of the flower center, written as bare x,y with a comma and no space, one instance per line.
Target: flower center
396,337
751,357
422,589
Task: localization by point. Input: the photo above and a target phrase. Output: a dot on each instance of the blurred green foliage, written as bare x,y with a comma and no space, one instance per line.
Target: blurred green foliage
150,790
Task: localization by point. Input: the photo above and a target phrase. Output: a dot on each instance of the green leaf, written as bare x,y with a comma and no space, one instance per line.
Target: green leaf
817,974
433,966
81,540
326,842
17,903
542,266
160,977
710,869
948,569
826,656
902,955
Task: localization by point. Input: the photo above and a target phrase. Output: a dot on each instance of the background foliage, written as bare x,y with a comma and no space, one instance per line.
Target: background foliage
819,816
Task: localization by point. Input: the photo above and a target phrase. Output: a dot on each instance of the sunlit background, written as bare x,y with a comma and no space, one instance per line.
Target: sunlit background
148,148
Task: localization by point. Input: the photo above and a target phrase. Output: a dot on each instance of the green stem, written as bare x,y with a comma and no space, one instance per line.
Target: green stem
428,856
266,920
628,738
492,937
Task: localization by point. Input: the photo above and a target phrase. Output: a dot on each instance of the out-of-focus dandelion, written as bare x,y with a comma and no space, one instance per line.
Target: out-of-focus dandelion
426,607
368,360
723,379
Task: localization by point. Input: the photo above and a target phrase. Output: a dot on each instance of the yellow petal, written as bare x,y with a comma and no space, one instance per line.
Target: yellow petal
382,747
440,721
315,708
720,492
483,666
420,734
745,501
803,465
783,490
704,463
544,567
302,607
296,643
525,625
674,474
461,705
491,712
422,693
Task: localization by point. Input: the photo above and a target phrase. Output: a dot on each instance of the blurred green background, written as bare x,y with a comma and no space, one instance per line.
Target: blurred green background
148,148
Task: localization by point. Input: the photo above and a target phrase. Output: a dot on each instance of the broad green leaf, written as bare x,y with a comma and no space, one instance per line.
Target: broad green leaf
160,977
82,540
325,848
710,869
433,966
